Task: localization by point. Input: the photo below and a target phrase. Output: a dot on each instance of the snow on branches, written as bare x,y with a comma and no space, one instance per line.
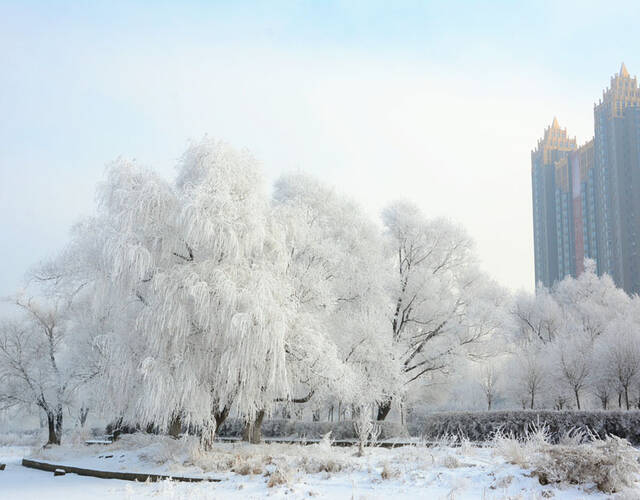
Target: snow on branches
181,302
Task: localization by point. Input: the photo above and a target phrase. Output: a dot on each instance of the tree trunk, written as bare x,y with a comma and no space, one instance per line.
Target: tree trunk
208,433
577,398
53,439
221,416
626,397
84,413
532,397
252,432
355,412
175,427
54,423
383,410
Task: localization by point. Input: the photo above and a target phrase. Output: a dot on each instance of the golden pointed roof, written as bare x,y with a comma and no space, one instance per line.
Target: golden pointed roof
555,125
623,71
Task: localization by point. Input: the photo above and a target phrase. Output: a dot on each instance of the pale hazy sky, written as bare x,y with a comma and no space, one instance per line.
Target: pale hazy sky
437,102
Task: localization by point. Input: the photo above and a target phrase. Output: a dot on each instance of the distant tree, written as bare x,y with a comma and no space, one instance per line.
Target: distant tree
590,302
39,365
603,385
620,351
489,384
538,317
574,362
527,373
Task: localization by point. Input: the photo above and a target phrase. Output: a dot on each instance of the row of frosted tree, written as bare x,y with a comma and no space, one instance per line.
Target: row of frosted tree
575,346
180,303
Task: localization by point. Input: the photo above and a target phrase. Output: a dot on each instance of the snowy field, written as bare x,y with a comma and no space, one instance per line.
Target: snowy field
289,471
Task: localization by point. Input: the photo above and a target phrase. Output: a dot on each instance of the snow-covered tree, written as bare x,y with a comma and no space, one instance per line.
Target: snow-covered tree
337,269
576,324
489,376
43,361
442,306
199,267
538,317
528,376
620,352
590,302
574,362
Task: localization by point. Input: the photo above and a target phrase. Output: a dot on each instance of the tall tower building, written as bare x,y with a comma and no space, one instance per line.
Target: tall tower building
552,149
583,194
586,201
618,183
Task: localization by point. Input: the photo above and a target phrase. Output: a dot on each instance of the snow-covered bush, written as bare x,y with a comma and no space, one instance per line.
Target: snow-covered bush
366,431
280,476
612,464
388,472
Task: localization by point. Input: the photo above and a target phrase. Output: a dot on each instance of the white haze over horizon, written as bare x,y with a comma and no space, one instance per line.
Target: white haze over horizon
454,136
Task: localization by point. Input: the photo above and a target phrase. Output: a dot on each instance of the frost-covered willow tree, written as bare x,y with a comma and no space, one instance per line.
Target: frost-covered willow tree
199,267
442,306
338,271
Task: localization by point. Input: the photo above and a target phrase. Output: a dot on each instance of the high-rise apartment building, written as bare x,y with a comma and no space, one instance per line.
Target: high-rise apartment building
552,149
589,197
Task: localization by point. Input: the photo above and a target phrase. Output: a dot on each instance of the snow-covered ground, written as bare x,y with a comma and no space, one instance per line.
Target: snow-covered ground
281,471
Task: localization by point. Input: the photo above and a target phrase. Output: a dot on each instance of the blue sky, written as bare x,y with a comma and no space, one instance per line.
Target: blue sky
438,102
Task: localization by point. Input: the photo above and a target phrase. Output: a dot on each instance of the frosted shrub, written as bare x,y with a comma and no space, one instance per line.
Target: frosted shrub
519,451
314,465
446,440
612,464
326,442
366,431
388,472
451,462
280,476
248,468
511,449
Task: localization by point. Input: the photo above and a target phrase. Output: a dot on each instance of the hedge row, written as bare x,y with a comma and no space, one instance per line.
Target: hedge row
482,426
475,426
282,428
